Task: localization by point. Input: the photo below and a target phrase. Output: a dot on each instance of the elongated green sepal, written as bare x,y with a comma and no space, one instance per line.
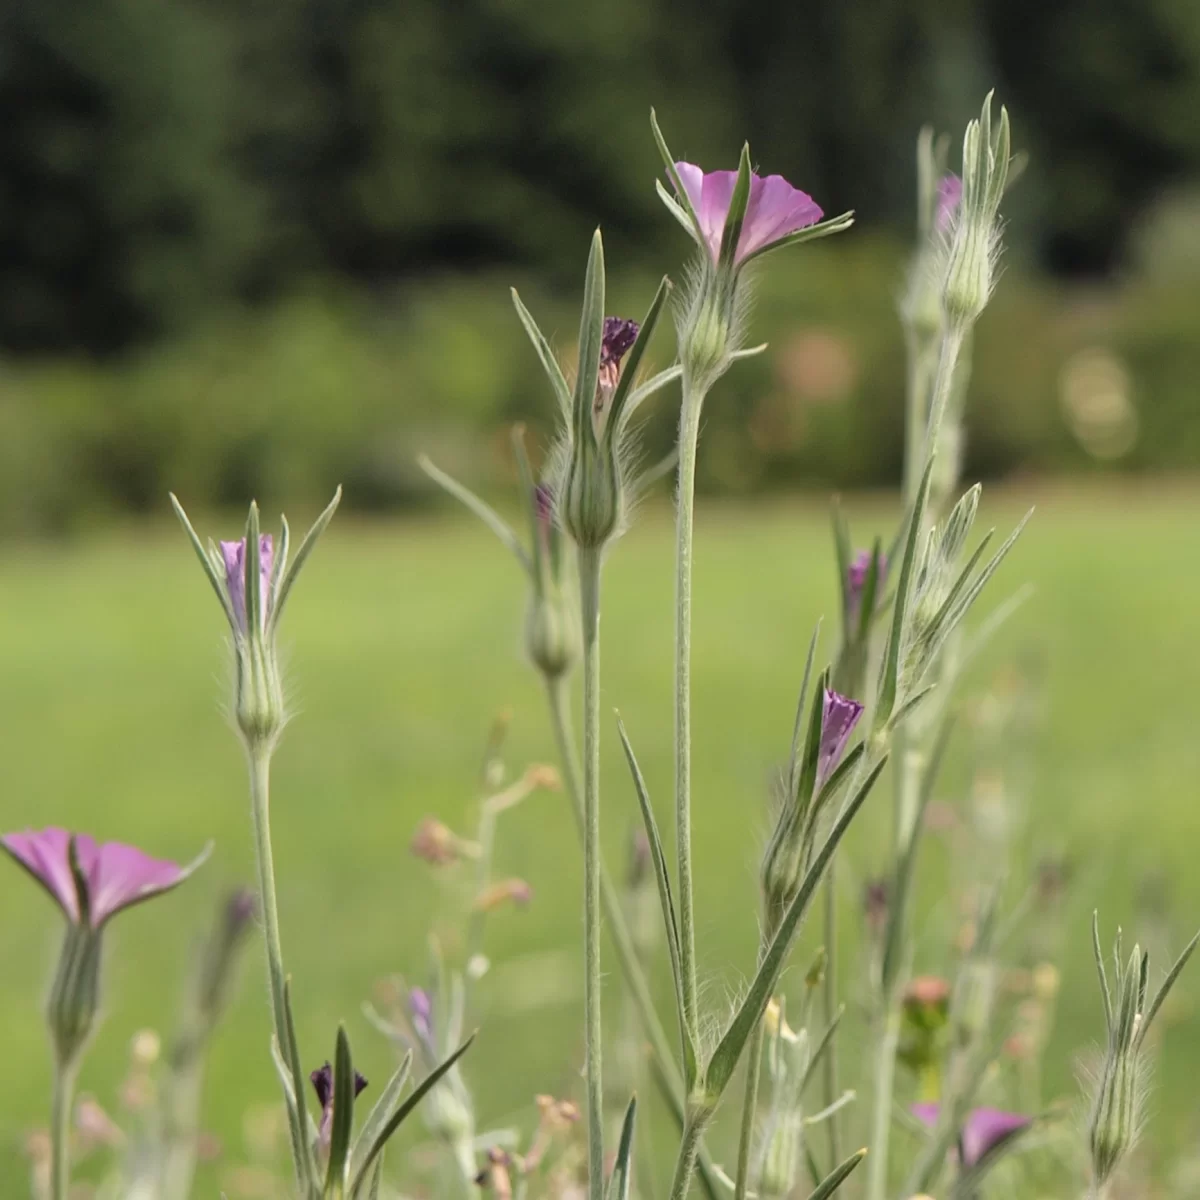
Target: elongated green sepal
377,1118
306,548
558,382
811,234
735,216
681,198
837,1176
343,1118
210,569
616,419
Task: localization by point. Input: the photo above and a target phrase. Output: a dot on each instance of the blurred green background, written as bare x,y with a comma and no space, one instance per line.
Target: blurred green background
262,249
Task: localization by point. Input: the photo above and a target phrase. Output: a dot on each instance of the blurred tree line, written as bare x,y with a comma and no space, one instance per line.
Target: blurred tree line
160,159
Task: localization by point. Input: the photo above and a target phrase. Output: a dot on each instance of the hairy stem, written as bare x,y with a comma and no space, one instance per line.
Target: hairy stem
61,1102
749,1112
830,1085
689,434
589,579
881,1114
618,926
689,1148
260,805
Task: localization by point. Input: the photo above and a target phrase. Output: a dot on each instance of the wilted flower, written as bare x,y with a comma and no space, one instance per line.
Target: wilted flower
620,333
436,843
774,209
515,891
496,1178
322,1081
839,716
985,1130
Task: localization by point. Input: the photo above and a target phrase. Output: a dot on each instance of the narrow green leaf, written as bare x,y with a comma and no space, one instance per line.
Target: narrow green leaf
822,1046
837,779
280,564
591,338
725,1057
867,605
964,604
484,511
889,679
306,548
960,583
682,199
844,550
252,571
618,1184
1173,974
617,416
400,1115
793,776
837,1176
296,1131
907,707
218,583
380,1111
673,207
562,393
810,758
645,390
823,229
292,1050
376,1178
735,215
528,500
666,901
343,1116
906,866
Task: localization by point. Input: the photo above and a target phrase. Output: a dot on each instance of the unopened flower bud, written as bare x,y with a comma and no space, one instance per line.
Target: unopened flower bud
74,1001
551,635
435,842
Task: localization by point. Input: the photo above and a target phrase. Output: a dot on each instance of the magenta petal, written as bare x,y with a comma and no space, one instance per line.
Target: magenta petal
949,197
234,556
986,1129
775,209
927,1114
714,206
122,875
45,856
839,716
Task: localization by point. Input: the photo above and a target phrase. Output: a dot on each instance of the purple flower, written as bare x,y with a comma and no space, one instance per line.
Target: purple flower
985,1130
420,1008
322,1081
839,715
234,554
774,209
114,876
619,335
856,576
949,196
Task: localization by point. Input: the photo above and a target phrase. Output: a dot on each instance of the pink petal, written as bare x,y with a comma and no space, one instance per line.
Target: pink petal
775,210
45,856
122,875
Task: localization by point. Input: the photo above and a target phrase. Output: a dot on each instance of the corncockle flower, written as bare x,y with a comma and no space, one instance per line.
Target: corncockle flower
619,335
90,883
322,1081
734,217
985,1131
774,209
839,716
253,589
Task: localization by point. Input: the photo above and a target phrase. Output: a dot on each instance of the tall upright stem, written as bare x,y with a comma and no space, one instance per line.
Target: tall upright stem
589,581
830,1084
60,1129
749,1112
260,805
689,1148
689,432
881,1114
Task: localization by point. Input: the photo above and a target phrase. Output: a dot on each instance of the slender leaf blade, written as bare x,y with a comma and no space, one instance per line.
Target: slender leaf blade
622,1174
558,381
380,1111
343,1116
837,1176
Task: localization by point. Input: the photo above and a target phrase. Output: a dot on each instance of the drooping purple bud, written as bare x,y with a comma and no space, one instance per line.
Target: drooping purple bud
949,197
234,554
322,1081
839,716
984,1131
619,336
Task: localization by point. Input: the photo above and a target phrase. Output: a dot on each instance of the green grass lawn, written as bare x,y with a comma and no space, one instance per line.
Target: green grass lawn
403,641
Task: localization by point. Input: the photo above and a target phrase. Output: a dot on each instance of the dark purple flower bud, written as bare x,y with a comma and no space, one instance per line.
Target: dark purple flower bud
234,554
985,1130
839,716
619,336
949,197
322,1081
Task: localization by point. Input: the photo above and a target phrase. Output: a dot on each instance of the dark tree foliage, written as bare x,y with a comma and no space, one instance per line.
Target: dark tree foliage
160,157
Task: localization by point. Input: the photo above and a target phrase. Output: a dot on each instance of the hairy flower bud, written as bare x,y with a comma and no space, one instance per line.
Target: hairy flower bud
74,1001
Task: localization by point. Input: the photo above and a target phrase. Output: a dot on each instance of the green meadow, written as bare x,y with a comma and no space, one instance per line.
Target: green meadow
403,642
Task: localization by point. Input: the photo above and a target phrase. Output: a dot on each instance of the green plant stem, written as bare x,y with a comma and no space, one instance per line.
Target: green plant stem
920,349
689,434
881,1115
830,1085
557,696
749,1112
689,1148
943,387
589,581
61,1102
260,805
